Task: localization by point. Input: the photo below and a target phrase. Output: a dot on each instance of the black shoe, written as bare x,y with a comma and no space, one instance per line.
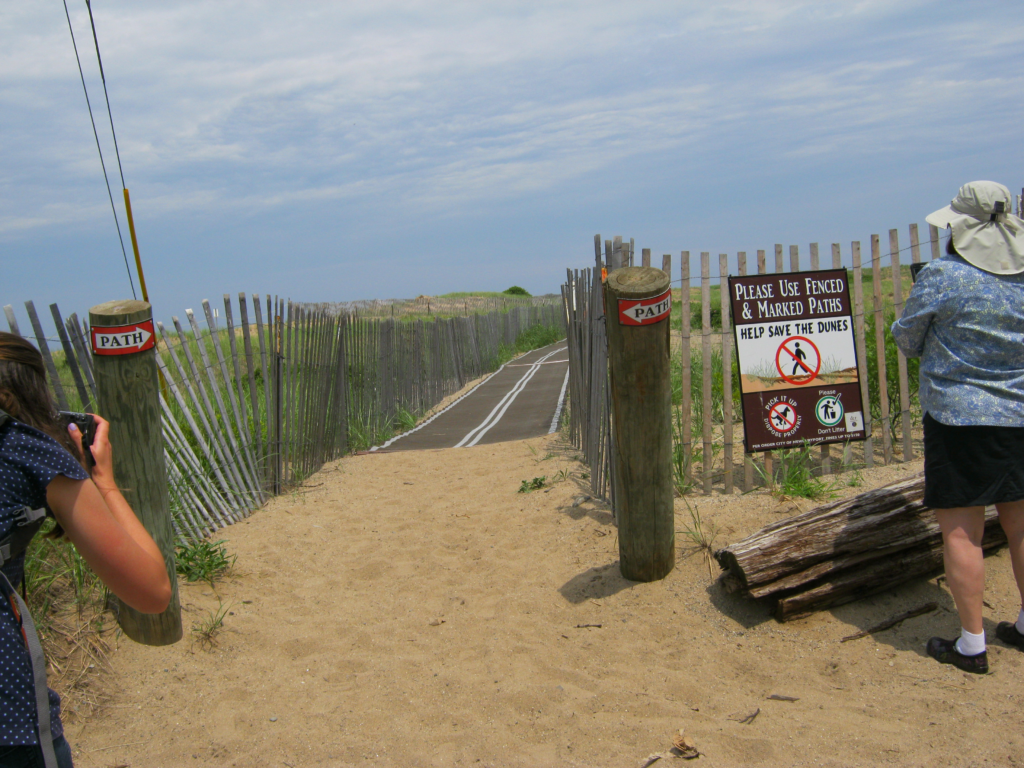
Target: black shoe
945,652
1008,633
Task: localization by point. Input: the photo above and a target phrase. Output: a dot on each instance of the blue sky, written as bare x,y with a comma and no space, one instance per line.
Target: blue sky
337,151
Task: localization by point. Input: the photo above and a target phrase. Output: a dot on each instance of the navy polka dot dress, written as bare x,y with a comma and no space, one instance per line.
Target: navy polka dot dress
29,460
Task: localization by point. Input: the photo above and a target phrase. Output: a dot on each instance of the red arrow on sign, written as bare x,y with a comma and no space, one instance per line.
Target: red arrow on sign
123,339
645,311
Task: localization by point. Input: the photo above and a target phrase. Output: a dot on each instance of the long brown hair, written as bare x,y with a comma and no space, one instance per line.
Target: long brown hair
24,394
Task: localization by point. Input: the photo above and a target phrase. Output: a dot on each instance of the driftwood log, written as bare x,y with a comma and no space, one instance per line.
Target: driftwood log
843,550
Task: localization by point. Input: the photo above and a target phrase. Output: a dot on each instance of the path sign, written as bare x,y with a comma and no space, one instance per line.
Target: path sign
645,311
799,377
123,339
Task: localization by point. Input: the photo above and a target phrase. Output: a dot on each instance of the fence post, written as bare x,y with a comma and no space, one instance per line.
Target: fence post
641,399
128,396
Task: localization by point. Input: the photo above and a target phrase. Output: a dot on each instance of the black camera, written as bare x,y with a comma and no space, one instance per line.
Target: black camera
86,425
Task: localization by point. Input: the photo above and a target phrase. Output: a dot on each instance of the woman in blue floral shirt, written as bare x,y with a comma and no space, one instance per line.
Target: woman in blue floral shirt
965,319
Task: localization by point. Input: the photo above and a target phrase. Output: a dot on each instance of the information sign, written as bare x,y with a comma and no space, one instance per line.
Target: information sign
799,379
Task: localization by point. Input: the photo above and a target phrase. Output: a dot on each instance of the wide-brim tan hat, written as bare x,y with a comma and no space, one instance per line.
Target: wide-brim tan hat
985,232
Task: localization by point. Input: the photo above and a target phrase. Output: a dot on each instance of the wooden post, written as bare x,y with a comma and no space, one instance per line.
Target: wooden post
128,395
686,361
706,379
723,292
641,400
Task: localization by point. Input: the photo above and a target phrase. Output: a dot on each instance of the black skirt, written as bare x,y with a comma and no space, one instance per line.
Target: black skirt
972,466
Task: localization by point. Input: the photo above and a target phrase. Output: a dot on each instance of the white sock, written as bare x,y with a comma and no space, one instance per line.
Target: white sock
1020,621
970,644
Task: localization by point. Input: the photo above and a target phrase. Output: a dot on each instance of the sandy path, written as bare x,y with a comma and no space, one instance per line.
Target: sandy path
413,609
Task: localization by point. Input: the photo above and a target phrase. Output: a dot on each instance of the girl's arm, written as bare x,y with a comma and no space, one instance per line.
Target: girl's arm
106,532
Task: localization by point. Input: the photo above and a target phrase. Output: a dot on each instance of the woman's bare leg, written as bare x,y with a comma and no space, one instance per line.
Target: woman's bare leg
1011,517
962,529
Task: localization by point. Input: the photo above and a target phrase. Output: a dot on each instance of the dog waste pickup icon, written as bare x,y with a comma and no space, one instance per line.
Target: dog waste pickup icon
797,356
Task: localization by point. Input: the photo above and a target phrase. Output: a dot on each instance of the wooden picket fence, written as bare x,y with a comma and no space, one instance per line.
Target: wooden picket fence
252,407
707,430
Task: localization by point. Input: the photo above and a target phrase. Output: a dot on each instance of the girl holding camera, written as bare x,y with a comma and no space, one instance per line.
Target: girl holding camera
41,466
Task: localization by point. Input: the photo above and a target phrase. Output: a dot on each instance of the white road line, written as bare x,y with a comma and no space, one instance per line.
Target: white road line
527,365
474,435
451,405
558,408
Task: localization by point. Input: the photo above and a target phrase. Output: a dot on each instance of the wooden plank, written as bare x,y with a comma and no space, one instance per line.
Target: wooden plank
901,360
748,461
288,391
862,357
12,321
915,245
933,238
706,383
218,510
254,400
239,409
44,350
70,358
686,363
666,263
883,392
645,257
245,458
277,341
82,351
233,450
762,269
826,459
723,272
837,263
779,265
207,436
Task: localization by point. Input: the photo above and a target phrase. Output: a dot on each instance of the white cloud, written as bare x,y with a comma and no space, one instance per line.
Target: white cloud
248,106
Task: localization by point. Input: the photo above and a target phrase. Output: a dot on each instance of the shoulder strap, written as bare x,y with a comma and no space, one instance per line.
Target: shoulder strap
26,523
35,652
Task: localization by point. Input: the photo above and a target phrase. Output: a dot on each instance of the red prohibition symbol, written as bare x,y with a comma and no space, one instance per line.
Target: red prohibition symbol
791,354
782,417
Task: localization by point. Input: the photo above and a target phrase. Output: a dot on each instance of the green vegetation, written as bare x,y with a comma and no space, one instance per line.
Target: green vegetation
515,290
203,560
533,338
56,578
532,485
702,535
205,631
794,476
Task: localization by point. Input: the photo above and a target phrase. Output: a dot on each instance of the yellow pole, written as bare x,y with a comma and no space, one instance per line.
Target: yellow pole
142,278
135,246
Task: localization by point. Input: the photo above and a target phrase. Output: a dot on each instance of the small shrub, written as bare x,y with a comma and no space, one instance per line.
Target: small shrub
702,535
205,631
532,485
203,560
795,476
515,290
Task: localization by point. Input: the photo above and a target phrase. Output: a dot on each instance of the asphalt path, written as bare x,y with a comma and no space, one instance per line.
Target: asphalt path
522,399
